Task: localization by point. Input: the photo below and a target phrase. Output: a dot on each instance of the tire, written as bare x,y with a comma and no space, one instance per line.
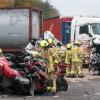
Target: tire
20,89
10,57
62,84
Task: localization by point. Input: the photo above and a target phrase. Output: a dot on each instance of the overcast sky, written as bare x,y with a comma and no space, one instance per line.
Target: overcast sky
77,7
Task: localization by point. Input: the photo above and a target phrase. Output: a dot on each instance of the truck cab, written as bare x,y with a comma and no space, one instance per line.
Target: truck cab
87,30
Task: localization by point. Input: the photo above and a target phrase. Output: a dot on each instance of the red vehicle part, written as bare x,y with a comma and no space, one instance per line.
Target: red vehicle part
38,75
60,68
53,25
6,69
63,67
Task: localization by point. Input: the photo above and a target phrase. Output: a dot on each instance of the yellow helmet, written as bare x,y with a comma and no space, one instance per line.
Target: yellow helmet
69,46
50,41
43,43
0,50
77,42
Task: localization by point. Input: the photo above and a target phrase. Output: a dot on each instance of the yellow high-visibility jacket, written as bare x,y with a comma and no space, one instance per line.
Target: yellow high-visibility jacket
56,58
77,54
75,57
50,60
53,58
68,56
81,54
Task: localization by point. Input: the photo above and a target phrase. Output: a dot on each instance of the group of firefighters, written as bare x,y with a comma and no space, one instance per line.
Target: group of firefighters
73,57
53,55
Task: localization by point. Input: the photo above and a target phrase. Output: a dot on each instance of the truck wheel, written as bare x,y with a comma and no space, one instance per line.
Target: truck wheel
62,84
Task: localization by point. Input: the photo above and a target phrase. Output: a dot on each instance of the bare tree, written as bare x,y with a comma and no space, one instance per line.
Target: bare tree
48,9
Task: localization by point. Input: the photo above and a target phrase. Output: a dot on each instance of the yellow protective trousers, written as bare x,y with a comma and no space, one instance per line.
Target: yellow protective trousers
68,62
76,65
51,74
76,68
68,70
52,88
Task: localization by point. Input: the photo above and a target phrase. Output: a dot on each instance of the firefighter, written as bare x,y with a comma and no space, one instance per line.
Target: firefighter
81,58
61,52
46,54
68,59
43,52
53,59
54,50
76,60
44,48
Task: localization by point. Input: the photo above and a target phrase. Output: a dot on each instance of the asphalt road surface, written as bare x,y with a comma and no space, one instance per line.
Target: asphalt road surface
87,88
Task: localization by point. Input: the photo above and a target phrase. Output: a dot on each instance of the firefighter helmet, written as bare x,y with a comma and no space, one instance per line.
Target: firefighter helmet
77,42
43,43
50,40
69,46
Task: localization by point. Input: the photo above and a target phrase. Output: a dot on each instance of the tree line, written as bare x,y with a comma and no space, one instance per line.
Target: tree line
47,9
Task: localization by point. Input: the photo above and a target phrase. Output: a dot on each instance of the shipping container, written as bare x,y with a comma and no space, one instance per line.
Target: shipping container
65,29
18,26
60,27
53,25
